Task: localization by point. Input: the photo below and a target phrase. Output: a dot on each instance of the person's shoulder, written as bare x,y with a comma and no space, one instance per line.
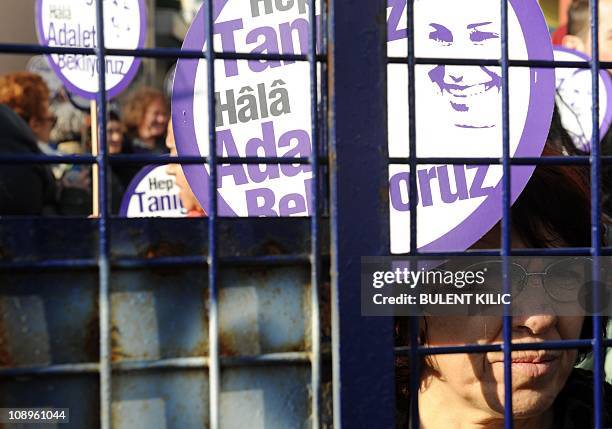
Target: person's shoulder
16,134
574,405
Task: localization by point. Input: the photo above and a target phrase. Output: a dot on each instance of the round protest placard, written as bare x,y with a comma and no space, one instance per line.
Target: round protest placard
574,99
263,110
72,23
152,193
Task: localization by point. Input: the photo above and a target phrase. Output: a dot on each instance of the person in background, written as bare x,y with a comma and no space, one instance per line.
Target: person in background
188,199
579,38
27,189
118,144
77,195
146,115
579,29
70,130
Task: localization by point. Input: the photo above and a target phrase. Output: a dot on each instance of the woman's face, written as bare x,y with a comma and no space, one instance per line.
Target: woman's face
114,136
445,29
155,120
476,381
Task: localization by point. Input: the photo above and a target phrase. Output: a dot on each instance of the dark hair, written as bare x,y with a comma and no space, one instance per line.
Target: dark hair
578,18
113,115
136,106
24,92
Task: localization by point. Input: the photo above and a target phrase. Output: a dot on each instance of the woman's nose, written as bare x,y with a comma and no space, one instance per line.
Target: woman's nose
533,310
535,324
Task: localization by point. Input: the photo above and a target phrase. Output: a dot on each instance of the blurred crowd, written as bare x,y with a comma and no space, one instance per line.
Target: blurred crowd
36,122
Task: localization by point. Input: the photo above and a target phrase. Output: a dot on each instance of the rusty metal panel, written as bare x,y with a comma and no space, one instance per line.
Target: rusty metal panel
264,310
158,313
265,397
48,318
49,330
160,400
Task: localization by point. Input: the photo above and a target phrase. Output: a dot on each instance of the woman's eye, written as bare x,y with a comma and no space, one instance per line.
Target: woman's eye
441,34
482,36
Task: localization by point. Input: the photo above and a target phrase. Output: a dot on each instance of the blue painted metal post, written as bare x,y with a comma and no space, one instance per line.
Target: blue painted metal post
362,359
506,243
315,251
598,348
103,244
412,198
214,378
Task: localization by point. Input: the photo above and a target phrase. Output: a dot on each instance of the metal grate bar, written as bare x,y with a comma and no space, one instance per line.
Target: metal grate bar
214,369
103,233
315,235
169,363
598,348
506,243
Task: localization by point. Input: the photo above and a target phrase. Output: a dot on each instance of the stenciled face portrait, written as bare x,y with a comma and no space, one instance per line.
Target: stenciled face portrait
576,115
459,107
470,91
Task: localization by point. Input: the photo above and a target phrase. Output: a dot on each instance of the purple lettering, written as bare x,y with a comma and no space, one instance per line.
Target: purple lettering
268,144
227,147
228,43
477,190
447,195
269,46
397,182
286,35
301,149
260,202
291,204
424,177
393,30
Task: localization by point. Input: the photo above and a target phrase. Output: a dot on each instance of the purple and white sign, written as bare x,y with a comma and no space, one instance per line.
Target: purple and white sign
152,193
72,23
263,108
574,99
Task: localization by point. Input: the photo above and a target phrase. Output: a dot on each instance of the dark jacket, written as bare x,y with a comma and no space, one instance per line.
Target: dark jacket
26,189
574,405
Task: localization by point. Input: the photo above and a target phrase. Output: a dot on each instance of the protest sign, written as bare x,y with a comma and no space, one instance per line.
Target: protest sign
72,23
263,109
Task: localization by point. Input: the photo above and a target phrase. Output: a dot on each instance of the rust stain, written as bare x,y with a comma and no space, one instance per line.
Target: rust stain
225,344
272,248
116,353
325,310
162,249
202,347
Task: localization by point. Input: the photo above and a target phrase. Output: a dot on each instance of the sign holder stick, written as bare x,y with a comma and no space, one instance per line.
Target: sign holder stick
94,151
